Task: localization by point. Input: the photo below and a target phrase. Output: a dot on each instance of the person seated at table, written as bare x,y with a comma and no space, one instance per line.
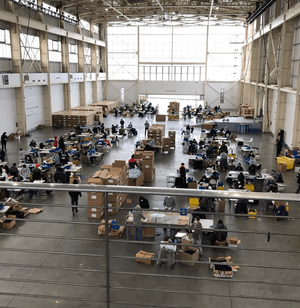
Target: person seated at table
251,154
223,148
241,178
204,179
130,125
32,144
209,150
219,237
238,167
215,176
5,167
213,133
252,166
113,129
277,176
273,188
14,171
4,176
238,185
133,163
59,175
36,173
28,159
25,173
227,132
56,158
144,203
79,129
167,251
64,158
211,165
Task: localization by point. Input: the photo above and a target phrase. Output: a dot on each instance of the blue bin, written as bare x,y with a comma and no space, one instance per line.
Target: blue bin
183,212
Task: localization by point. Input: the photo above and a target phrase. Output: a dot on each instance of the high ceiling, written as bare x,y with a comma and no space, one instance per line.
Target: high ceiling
173,12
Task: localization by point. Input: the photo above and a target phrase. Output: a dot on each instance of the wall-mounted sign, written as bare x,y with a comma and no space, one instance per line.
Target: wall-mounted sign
222,94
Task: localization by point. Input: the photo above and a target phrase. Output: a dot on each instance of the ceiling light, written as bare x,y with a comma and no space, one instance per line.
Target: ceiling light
106,9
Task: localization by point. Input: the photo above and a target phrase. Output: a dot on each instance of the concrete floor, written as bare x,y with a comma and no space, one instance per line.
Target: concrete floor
54,259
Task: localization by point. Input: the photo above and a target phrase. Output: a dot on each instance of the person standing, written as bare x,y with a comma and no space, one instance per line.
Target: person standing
147,125
197,236
298,181
137,223
278,147
169,203
55,143
74,198
122,122
3,141
61,144
182,172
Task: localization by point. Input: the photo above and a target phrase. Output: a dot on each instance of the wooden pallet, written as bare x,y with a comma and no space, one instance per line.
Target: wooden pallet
117,233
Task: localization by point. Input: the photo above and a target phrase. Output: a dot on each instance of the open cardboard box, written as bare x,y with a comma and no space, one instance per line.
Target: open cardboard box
144,254
222,267
184,255
233,241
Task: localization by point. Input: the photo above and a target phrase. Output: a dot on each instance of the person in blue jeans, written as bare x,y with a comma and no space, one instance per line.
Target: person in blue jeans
137,223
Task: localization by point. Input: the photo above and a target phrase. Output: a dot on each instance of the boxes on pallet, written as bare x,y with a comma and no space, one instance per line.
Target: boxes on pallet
95,213
160,117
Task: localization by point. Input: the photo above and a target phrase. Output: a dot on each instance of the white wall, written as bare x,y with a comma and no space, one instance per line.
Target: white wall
75,94
212,96
34,107
289,118
57,97
88,92
8,114
133,89
273,104
99,93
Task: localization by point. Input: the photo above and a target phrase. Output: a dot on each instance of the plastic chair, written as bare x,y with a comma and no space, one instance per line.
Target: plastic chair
248,142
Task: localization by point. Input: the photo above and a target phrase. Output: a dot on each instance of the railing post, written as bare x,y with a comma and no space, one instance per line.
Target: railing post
107,251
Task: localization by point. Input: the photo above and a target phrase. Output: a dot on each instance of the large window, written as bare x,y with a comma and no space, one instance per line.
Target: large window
54,47
122,53
30,47
5,49
175,53
224,53
73,53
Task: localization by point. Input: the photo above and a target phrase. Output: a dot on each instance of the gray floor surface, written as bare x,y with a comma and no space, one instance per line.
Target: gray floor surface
54,259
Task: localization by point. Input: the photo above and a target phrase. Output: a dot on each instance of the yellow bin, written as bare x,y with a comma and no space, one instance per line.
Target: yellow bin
286,160
249,187
194,201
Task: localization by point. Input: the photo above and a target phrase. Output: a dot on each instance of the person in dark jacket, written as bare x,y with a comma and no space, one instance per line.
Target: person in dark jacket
14,171
144,204
298,182
74,198
36,173
4,138
182,172
239,167
61,144
133,163
219,235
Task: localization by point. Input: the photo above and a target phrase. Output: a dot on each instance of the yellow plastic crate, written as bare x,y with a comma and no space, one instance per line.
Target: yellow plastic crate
232,155
252,214
249,187
286,160
220,187
194,201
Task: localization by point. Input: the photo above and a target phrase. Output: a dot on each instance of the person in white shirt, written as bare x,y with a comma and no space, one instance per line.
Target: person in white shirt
25,172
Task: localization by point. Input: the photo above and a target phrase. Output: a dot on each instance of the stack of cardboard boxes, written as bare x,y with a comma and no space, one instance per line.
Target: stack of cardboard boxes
175,106
156,132
115,174
148,168
108,106
71,118
172,136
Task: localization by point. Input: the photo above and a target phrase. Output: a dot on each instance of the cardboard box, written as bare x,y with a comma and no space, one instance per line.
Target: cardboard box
183,220
95,181
184,255
95,198
281,167
233,242
111,179
95,213
160,117
144,254
192,184
8,224
222,203
148,155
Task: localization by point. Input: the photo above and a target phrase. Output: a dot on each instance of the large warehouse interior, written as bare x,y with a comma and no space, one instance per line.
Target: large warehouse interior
191,105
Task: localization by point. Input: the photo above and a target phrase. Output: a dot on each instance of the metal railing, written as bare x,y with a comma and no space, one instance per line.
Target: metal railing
115,277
